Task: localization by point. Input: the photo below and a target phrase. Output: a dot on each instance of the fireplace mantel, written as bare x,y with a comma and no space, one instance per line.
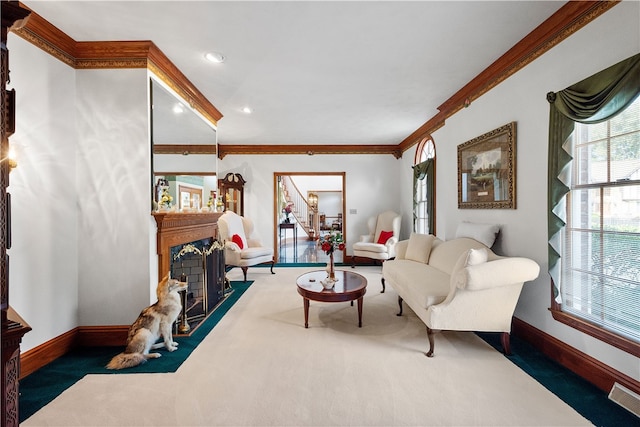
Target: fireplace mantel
181,228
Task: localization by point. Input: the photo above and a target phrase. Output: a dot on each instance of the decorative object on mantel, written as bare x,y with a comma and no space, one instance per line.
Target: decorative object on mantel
486,170
165,199
329,243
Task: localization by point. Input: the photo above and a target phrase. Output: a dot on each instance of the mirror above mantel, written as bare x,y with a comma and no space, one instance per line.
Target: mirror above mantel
184,147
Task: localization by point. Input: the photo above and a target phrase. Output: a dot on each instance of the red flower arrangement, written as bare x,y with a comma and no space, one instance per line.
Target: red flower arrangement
330,242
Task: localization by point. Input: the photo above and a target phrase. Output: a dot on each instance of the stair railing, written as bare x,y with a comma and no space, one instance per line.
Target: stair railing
301,209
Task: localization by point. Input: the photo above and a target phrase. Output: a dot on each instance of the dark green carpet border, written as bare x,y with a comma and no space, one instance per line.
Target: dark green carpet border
587,399
45,384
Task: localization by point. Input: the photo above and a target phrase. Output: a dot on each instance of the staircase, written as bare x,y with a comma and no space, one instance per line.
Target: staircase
301,210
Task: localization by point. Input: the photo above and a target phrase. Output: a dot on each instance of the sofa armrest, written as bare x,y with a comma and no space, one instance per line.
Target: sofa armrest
232,246
493,274
366,238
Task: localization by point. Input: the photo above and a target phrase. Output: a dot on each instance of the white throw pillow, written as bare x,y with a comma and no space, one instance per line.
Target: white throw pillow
468,258
483,233
419,247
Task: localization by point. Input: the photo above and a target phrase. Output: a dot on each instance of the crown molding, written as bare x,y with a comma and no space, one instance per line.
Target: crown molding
567,20
571,17
115,55
184,149
227,149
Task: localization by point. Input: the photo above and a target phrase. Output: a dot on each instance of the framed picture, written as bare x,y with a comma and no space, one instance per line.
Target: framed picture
486,170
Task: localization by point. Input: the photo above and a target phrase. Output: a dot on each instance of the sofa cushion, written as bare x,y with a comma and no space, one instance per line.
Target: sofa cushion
237,240
416,281
370,247
250,253
384,221
483,233
229,224
445,255
468,258
384,236
419,247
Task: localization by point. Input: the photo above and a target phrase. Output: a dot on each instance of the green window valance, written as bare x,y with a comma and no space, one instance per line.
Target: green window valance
592,100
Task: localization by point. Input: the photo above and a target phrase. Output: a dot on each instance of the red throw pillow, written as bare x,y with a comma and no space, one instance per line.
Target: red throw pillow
237,240
384,236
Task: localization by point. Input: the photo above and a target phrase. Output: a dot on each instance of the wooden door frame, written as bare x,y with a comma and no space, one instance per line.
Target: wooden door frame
276,207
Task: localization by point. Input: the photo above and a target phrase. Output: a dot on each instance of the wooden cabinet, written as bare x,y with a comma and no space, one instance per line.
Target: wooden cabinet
232,192
13,326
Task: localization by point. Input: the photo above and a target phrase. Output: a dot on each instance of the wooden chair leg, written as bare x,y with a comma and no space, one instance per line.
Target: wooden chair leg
244,270
383,286
272,263
506,343
400,305
353,261
430,336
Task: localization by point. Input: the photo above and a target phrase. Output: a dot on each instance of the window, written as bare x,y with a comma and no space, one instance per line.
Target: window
600,269
424,175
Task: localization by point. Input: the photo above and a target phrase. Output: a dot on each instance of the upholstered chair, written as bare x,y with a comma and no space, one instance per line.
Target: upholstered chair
241,248
379,244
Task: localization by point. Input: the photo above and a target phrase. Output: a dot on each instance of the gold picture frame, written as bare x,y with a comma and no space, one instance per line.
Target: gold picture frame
487,170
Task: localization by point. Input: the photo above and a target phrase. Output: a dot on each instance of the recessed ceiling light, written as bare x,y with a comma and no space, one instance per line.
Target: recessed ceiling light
178,108
216,57
247,110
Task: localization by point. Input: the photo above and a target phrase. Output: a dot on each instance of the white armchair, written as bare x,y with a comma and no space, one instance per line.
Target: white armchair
241,248
379,244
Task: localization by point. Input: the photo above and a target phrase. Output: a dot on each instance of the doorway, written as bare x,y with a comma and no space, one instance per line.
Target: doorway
307,205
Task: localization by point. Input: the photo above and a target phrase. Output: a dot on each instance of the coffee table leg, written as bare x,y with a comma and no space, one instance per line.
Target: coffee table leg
306,312
360,312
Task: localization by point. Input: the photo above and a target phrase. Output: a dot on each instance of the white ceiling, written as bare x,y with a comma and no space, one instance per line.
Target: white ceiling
327,72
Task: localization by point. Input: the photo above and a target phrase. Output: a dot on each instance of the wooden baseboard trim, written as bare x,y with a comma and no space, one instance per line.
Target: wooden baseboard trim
103,336
583,365
43,354
82,336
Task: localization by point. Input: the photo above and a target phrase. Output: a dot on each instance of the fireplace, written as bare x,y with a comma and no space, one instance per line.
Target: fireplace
201,265
187,245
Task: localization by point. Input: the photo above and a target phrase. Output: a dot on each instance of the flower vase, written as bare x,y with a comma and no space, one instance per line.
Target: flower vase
332,273
330,281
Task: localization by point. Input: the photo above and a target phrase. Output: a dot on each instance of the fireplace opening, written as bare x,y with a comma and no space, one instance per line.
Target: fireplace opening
201,264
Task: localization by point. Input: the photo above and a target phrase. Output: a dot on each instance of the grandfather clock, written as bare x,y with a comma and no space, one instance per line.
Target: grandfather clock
232,191
13,327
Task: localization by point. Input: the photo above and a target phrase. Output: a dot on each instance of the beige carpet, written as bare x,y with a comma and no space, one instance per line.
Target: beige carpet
260,367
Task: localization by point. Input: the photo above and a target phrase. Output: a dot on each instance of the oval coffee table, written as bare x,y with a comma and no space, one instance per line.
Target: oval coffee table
350,286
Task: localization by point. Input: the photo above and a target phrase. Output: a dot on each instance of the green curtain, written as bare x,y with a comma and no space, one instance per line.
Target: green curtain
421,171
593,100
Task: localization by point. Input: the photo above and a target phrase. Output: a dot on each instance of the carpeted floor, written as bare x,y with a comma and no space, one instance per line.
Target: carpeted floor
41,387
259,366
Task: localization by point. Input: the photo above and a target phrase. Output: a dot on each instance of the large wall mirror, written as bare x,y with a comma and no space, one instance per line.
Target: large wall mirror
184,144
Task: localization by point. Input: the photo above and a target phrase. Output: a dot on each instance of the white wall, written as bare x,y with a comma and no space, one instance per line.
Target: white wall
522,98
371,186
80,195
114,192
44,256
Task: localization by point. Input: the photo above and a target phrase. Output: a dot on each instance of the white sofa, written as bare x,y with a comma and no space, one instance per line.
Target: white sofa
459,284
